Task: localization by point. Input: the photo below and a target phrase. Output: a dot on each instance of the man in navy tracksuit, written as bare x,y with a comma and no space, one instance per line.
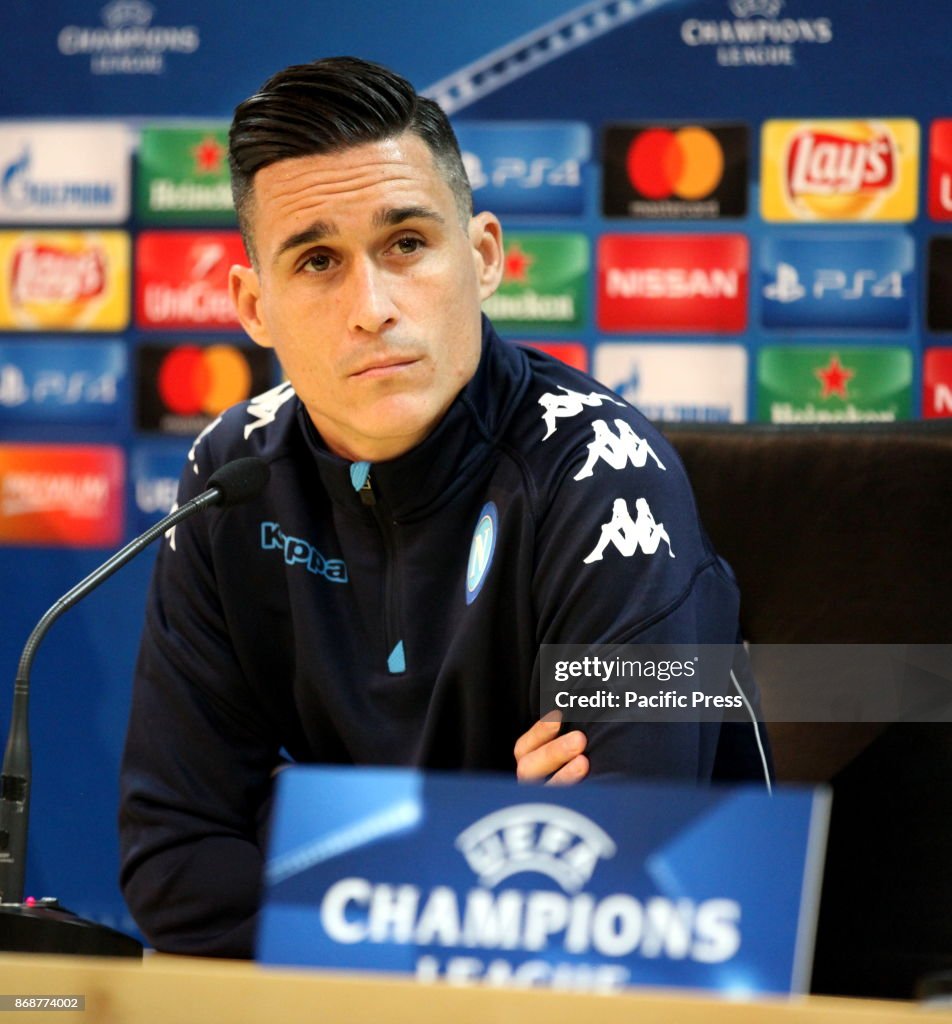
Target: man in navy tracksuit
441,503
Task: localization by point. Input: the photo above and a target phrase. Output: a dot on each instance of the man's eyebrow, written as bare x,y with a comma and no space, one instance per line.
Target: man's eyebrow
315,232
387,218
390,218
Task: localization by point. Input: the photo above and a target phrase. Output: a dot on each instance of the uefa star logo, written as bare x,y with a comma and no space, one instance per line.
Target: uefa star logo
755,8
128,14
554,841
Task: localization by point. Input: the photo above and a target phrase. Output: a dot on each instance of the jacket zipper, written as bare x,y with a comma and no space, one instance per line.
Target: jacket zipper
390,603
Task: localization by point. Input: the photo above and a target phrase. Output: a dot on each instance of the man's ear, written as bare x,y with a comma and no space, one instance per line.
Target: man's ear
485,234
245,290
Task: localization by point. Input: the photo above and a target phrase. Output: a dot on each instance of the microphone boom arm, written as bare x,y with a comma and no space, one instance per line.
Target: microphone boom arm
15,780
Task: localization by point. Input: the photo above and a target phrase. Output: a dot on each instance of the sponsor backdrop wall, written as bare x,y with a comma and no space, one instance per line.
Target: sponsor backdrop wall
726,209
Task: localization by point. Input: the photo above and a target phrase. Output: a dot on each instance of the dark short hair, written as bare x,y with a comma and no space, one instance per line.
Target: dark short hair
331,105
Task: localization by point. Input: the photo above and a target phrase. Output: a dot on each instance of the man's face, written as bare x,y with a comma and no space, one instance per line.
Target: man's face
368,287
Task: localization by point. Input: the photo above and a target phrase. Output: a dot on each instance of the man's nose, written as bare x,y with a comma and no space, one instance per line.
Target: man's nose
371,306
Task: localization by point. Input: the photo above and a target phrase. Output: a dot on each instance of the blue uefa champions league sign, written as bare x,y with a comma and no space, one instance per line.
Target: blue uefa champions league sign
837,280
597,887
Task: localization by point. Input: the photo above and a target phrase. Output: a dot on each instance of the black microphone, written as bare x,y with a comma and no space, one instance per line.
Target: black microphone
36,926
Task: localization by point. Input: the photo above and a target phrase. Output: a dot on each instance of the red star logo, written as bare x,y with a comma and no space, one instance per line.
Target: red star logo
208,155
517,264
834,378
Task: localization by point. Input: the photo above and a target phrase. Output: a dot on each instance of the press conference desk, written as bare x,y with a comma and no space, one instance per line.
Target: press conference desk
183,990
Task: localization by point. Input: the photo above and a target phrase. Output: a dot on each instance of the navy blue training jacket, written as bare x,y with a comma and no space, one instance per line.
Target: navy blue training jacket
338,619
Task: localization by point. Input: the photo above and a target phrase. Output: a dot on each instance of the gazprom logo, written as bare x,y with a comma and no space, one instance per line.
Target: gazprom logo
554,841
481,550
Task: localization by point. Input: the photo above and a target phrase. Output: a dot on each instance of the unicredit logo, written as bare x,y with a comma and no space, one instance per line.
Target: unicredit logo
940,169
182,278
673,283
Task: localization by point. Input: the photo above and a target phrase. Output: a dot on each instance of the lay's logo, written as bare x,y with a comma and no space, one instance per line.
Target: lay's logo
50,273
840,170
829,164
64,280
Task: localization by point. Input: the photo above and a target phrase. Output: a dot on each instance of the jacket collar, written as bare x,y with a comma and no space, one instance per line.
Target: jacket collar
422,479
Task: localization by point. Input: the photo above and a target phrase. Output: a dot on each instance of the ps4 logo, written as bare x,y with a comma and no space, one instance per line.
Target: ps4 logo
836,283
521,173
529,167
838,279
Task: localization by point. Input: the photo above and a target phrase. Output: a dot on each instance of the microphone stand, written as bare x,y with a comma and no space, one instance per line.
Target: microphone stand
45,925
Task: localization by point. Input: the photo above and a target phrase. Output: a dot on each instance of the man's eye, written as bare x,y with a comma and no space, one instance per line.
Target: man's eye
408,245
318,261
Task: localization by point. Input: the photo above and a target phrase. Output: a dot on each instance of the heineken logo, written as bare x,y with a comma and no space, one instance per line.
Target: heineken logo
834,378
815,385
544,281
183,175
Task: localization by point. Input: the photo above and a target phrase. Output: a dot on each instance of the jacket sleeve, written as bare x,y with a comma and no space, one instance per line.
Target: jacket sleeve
622,559
197,764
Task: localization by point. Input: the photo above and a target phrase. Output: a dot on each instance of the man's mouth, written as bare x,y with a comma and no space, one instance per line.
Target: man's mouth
384,366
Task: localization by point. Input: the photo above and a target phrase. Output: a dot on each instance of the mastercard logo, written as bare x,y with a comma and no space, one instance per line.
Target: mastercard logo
193,380
687,163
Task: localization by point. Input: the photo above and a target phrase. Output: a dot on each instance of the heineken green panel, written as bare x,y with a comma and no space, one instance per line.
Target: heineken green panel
838,384
183,175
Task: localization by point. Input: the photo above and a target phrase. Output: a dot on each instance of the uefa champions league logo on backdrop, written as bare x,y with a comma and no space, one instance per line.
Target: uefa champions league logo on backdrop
755,8
127,42
127,13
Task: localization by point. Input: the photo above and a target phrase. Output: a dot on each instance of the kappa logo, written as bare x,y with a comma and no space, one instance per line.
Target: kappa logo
554,841
481,550
569,404
300,552
628,535
266,405
618,450
263,408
